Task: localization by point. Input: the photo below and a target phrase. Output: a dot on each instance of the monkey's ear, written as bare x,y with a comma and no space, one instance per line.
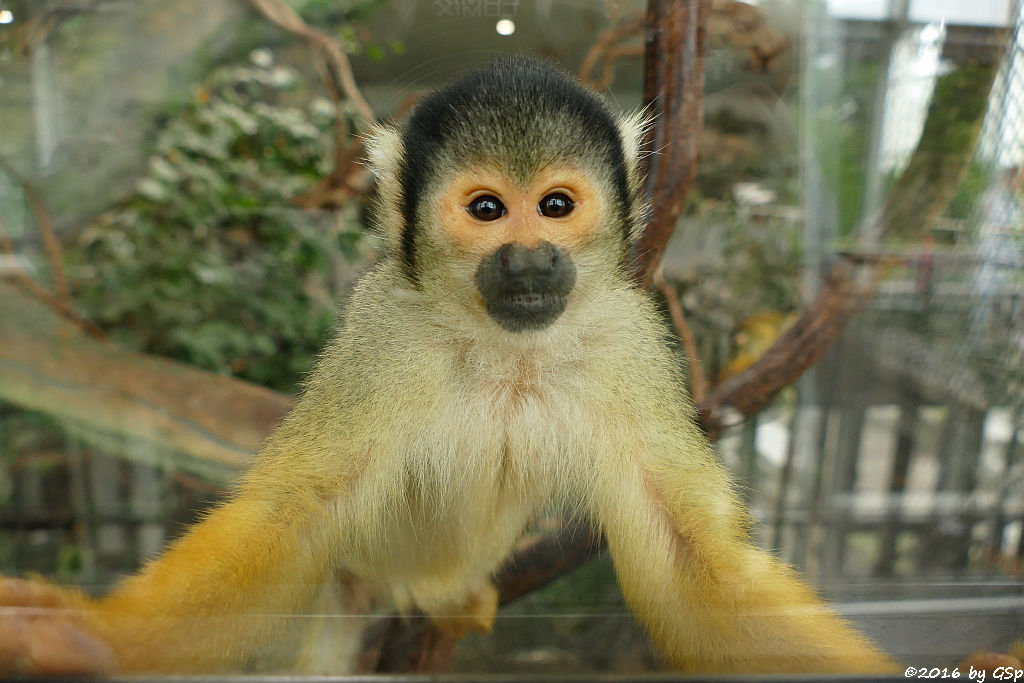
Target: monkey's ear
384,157
633,129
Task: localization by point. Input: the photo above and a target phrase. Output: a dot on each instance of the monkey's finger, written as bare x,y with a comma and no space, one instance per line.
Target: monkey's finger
14,592
59,647
990,661
22,593
12,642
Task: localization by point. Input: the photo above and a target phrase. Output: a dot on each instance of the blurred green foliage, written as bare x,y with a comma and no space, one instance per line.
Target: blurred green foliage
976,179
208,261
768,254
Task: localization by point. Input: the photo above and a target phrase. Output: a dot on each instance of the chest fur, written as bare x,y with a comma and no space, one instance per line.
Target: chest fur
492,447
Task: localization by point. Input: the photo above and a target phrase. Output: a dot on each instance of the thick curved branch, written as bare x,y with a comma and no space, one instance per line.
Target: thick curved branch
140,406
844,294
675,40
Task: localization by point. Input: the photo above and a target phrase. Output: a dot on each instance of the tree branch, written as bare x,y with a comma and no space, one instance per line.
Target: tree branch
138,405
284,16
603,48
694,370
51,245
845,292
675,40
33,288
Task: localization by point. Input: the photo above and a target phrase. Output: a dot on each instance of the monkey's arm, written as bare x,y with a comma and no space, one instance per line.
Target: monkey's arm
710,600
220,593
218,596
211,601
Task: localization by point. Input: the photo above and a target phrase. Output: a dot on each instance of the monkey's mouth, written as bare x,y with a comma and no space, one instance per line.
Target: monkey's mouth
526,288
528,300
527,310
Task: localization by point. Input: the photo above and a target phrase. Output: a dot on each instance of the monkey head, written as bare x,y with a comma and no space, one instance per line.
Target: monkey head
509,192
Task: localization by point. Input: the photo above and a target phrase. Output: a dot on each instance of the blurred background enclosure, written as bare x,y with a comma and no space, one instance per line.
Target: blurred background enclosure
182,210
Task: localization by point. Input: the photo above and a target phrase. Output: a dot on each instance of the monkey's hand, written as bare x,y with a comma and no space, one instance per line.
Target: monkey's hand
475,614
42,632
990,661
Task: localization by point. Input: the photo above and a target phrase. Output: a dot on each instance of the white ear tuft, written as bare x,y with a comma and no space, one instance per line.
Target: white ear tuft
383,157
633,128
383,147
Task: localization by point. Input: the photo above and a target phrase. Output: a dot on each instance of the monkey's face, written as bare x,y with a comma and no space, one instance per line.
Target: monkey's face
521,239
511,198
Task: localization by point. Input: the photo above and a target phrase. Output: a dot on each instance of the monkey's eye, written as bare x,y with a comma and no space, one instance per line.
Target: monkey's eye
486,208
555,205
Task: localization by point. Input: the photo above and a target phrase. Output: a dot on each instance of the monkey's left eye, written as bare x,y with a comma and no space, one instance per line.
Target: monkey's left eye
555,205
486,208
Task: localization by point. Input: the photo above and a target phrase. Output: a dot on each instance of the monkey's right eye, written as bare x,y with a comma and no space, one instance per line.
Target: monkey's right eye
486,208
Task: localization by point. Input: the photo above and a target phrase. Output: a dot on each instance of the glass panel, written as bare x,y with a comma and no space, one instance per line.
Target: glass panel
184,208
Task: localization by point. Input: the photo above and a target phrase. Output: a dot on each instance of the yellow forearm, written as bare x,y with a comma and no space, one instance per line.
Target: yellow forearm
218,594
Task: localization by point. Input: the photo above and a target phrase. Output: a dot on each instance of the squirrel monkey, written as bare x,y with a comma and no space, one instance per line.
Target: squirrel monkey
497,360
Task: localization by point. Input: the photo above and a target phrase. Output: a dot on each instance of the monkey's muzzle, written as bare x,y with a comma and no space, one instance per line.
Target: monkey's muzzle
526,288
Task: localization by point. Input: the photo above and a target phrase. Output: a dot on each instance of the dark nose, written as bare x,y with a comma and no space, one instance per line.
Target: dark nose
539,264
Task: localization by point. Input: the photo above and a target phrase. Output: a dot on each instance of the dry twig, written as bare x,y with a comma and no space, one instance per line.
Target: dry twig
33,288
745,26
606,48
695,372
284,16
51,245
335,71
348,177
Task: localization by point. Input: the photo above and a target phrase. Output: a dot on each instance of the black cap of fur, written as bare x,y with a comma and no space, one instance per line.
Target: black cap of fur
519,113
